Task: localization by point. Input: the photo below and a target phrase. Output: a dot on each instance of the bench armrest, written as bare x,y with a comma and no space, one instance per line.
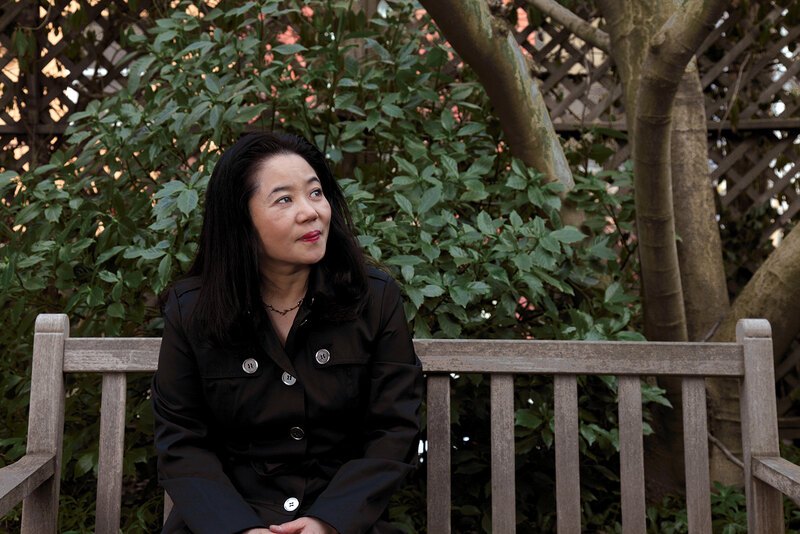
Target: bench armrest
779,473
19,479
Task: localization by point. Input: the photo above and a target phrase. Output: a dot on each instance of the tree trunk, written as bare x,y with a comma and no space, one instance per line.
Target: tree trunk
489,47
772,293
705,292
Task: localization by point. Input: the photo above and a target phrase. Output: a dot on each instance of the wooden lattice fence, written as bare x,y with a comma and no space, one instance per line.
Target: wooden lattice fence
54,58
752,96
72,52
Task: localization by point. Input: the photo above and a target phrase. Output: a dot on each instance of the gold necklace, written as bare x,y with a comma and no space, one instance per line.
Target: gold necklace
287,310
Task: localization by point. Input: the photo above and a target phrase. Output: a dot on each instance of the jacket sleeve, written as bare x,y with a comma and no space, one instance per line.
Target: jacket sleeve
360,491
188,469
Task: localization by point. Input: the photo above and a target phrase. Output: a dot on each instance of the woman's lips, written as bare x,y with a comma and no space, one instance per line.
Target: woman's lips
311,236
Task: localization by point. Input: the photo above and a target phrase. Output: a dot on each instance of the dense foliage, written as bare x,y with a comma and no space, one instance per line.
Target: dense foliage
474,237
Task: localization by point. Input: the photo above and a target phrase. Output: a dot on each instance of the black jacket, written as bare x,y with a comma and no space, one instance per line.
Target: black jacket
260,434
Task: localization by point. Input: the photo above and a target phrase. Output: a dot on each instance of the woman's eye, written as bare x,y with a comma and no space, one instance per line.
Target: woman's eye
283,200
316,193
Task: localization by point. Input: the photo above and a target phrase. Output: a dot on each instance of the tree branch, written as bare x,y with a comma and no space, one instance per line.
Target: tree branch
670,50
581,28
489,47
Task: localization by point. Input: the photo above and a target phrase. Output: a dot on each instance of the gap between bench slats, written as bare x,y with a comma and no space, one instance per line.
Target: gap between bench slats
568,488
438,453
631,455
112,445
503,484
695,444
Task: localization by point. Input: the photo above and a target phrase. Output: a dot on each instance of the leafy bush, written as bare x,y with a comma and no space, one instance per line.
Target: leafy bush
475,238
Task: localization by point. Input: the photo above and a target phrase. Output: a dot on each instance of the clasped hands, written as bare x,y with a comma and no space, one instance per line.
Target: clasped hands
302,525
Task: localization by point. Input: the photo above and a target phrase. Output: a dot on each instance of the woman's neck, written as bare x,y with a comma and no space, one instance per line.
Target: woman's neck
283,288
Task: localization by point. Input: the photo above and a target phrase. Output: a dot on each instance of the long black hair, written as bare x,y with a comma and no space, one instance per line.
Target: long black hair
228,252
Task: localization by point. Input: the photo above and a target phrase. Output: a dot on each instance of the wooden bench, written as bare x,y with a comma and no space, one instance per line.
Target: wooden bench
767,476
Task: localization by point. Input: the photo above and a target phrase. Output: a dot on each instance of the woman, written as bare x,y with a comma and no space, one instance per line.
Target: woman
287,392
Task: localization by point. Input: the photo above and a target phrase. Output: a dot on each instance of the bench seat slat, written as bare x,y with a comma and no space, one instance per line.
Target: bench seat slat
112,446
695,444
631,455
503,484
19,479
568,490
439,453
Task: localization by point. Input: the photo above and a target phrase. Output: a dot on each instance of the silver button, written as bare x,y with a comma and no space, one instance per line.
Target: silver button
291,504
288,379
297,433
322,356
250,366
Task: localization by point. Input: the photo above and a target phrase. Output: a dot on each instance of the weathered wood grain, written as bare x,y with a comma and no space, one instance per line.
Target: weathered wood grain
695,443
759,424
779,473
46,420
501,392
631,455
109,355
568,483
439,453
112,446
580,357
167,506
473,356
19,479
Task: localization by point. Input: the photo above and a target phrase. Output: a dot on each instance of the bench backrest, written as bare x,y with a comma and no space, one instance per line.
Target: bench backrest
750,358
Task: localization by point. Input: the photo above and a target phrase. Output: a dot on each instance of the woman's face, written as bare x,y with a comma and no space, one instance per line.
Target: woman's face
289,212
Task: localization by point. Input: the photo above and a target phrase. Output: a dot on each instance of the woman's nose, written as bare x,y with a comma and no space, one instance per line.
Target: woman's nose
307,211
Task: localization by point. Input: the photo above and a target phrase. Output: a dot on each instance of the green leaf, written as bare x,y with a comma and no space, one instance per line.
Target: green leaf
432,291
286,49
135,73
526,418
249,113
187,201
405,260
430,198
392,111
165,268
169,189
404,203
406,166
86,462
470,129
450,165
212,83
107,276
516,182
116,310
52,213
485,224
568,234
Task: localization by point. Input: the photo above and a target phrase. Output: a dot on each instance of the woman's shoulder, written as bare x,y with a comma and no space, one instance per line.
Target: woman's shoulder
181,296
379,280
382,286
186,285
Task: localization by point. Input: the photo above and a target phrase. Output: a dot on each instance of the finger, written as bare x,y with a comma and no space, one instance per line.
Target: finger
291,527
